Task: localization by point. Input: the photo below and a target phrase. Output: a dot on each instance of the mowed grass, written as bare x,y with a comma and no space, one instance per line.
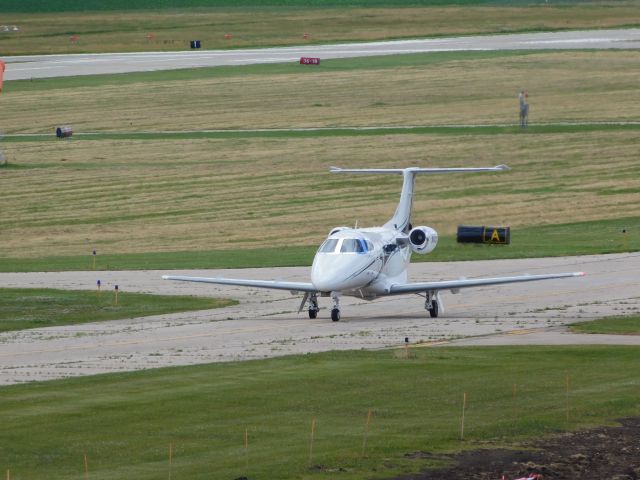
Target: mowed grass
126,423
22,308
120,197
425,89
527,242
183,194
623,325
126,27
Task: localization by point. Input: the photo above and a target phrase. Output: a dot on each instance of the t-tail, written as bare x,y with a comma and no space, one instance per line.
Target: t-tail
401,220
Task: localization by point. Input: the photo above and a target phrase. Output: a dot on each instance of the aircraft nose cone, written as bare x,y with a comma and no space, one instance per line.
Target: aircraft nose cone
332,273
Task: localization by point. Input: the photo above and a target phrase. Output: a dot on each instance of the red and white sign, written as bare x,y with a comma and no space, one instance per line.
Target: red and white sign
309,61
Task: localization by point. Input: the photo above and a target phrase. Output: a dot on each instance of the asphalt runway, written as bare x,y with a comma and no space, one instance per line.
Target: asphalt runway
41,66
266,323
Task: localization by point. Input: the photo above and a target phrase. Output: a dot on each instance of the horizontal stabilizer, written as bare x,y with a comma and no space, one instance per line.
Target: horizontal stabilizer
400,171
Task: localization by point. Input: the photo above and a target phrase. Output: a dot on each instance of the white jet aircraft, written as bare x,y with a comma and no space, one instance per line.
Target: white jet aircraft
369,263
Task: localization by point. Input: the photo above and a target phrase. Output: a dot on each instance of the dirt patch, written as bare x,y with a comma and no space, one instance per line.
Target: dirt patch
602,453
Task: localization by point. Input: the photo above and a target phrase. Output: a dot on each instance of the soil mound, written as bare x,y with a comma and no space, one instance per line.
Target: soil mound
605,453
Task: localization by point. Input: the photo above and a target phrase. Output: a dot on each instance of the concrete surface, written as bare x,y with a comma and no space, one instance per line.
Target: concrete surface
41,66
266,323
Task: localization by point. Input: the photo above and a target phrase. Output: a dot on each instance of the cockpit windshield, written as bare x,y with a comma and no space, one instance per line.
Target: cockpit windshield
352,245
329,246
345,245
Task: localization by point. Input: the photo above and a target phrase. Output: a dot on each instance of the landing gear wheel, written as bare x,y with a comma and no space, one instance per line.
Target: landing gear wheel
433,311
313,306
335,315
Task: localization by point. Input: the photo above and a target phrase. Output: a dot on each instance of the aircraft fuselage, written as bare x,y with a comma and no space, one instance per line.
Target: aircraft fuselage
362,262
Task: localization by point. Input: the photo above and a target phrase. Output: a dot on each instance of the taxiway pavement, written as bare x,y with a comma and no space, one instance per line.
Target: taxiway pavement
266,323
42,66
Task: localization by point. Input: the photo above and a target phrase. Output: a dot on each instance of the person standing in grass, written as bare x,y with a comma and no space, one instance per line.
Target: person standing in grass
524,108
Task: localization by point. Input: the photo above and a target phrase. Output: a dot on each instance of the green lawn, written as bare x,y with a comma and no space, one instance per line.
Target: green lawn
624,325
526,242
22,308
239,196
77,26
34,6
125,423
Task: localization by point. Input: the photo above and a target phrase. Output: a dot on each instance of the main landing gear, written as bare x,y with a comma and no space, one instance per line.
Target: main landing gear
431,304
335,311
313,306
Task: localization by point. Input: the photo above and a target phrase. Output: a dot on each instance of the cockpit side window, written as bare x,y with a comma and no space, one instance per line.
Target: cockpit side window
329,246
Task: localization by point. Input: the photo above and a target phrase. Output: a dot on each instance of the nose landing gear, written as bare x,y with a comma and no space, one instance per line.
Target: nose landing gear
335,312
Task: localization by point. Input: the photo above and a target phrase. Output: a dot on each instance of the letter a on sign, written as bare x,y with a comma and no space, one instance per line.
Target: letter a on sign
495,236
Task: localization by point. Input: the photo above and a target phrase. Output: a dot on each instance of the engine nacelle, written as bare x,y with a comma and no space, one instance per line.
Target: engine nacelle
423,239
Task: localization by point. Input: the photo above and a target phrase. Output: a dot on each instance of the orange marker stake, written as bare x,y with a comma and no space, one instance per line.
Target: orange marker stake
366,433
313,432
246,448
464,407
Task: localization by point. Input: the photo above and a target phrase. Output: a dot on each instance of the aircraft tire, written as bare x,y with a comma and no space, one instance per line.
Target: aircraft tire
433,311
313,314
335,315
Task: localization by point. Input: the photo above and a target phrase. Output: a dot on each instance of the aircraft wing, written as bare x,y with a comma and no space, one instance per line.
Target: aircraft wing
272,284
478,282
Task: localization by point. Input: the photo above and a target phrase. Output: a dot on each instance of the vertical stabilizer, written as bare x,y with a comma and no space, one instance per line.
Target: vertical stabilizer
402,217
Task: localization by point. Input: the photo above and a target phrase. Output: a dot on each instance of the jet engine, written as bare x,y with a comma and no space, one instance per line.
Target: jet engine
423,239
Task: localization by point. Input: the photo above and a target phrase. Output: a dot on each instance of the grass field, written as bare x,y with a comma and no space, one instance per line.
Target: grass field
23,308
246,191
527,242
35,6
627,325
125,423
46,27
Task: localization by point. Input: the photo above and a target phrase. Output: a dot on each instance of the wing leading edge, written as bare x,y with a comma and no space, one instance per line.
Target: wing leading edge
479,282
272,284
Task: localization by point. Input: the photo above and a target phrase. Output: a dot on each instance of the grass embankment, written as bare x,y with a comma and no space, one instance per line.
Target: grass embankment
253,192
125,423
626,325
47,27
23,308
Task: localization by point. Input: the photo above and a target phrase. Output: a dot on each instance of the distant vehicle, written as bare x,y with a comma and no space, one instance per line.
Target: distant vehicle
368,263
